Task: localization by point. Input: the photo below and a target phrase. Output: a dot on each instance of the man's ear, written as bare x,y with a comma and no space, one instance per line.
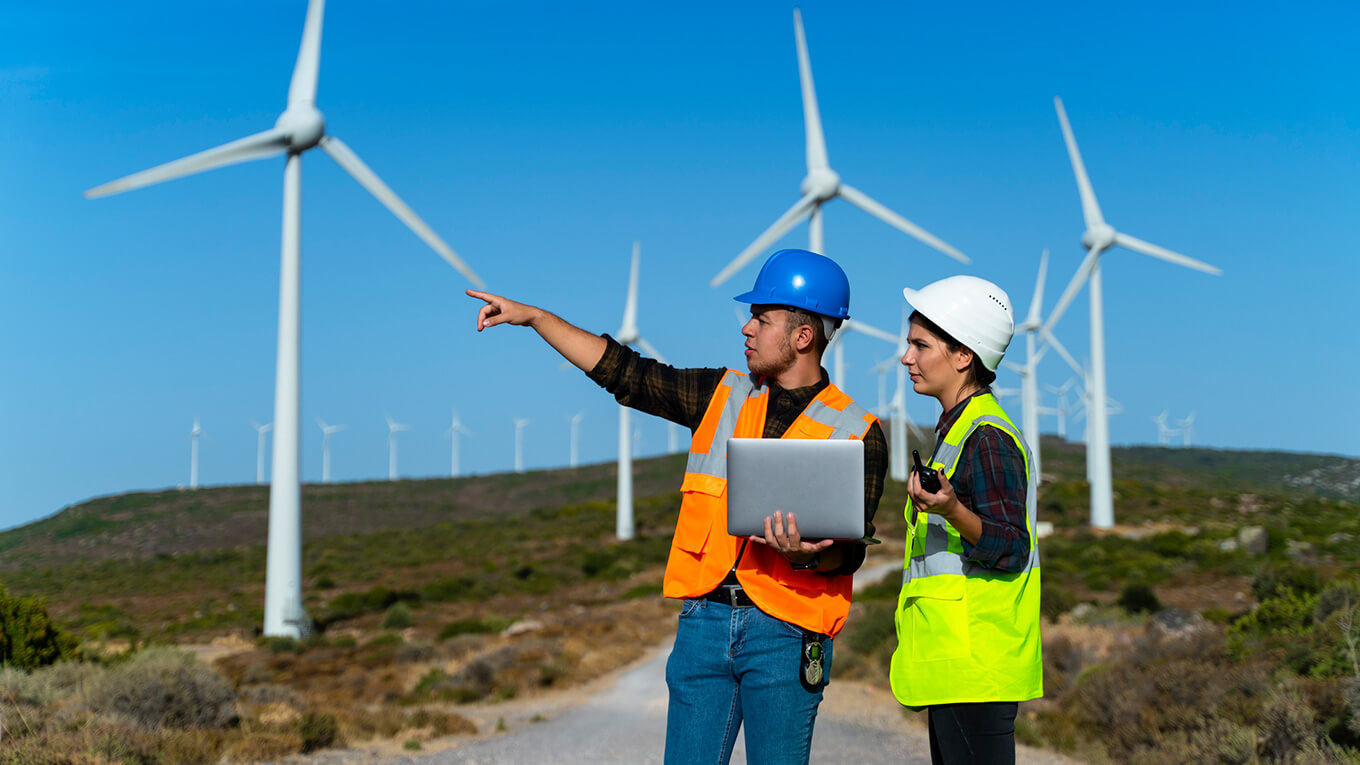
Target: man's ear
804,338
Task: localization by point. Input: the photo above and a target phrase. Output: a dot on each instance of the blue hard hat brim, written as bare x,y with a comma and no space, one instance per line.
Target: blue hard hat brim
753,299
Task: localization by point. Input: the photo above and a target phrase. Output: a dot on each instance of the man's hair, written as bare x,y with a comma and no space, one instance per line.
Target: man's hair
796,317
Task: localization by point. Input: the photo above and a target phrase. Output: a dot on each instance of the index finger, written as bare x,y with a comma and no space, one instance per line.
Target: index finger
487,296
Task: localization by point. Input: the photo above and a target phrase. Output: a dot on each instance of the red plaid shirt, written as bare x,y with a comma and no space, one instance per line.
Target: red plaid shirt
990,480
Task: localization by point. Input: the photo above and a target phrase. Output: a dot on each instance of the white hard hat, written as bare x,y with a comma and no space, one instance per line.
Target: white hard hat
974,311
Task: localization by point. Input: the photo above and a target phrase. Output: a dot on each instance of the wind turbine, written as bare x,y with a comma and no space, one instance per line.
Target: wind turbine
1029,371
900,420
628,334
326,432
1099,237
1164,433
260,430
1062,410
882,369
837,346
299,128
455,430
393,428
1187,428
575,421
519,443
822,184
194,434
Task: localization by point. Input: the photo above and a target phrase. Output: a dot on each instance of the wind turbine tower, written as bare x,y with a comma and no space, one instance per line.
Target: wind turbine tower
299,128
629,334
575,420
1099,237
1029,371
194,434
1187,429
260,430
519,443
454,431
822,184
326,432
393,428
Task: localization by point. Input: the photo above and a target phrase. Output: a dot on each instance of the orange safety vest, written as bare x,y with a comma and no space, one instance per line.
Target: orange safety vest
702,551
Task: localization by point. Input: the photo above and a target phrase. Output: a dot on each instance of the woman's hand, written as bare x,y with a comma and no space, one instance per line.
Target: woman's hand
787,541
944,503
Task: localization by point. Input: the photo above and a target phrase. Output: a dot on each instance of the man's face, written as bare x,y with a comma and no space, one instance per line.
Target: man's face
769,349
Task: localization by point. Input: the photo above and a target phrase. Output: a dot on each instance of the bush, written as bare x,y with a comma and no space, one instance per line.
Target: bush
1277,581
1138,597
163,688
473,627
1055,600
28,637
319,731
398,617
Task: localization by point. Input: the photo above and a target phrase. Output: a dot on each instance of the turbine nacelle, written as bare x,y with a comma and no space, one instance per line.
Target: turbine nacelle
1099,237
821,183
303,125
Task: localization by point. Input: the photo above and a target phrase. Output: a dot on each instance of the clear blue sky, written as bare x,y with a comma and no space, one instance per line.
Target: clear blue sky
540,140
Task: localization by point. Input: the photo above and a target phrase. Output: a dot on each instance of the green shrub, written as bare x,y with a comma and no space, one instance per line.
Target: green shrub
1276,580
318,730
398,617
282,644
28,636
1055,600
1138,597
473,627
164,688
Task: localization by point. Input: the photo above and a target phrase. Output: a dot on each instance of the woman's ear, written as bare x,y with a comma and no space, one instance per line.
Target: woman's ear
963,359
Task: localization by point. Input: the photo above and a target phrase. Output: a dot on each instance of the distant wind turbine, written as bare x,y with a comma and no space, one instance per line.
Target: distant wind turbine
260,430
1187,429
1099,237
326,432
519,443
629,334
393,428
299,128
1061,410
822,184
837,346
1029,370
194,434
897,451
575,421
455,430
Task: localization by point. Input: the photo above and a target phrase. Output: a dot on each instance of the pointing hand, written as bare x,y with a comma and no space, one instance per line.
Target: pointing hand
499,310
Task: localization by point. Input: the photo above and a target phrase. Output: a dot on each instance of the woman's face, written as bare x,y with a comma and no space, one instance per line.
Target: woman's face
934,369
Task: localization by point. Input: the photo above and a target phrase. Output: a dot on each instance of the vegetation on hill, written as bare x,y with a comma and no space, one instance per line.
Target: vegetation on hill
1165,641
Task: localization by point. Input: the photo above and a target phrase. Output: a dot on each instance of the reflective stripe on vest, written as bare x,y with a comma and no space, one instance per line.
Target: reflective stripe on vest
702,552
966,633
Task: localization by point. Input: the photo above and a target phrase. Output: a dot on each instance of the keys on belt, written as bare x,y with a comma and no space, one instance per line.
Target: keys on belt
735,597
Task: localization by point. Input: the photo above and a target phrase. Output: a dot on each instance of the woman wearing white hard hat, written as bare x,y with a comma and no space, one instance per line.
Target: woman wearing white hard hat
968,646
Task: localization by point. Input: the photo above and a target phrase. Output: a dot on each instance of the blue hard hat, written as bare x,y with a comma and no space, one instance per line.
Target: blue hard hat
801,279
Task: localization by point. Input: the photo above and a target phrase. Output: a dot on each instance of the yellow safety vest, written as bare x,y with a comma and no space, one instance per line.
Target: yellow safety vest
966,633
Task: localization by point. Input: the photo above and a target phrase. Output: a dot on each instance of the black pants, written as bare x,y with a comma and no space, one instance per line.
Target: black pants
973,734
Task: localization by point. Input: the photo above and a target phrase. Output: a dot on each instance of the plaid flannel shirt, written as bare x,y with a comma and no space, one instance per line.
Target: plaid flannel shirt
991,481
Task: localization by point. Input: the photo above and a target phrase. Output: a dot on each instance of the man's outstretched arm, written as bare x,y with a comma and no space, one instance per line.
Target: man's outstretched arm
576,345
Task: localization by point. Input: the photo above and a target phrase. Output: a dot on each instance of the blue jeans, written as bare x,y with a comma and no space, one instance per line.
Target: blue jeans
734,665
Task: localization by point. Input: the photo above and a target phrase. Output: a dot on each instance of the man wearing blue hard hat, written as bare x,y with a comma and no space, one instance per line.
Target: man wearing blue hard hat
759,613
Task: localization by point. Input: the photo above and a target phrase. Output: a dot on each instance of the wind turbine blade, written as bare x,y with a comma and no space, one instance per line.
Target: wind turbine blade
780,227
812,118
1014,367
865,329
1073,287
351,163
321,423
1033,320
1138,245
1062,351
257,146
862,201
650,350
1090,209
302,90
630,306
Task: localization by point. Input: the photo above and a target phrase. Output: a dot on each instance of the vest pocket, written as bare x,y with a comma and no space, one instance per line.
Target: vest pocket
702,496
935,618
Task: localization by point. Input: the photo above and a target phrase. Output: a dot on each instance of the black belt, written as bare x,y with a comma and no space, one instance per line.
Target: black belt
733,596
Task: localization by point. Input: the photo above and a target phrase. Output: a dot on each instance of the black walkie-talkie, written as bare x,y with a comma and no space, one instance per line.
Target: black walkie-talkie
930,477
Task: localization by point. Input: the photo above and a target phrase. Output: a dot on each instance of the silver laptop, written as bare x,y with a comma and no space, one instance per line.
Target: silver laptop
821,482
